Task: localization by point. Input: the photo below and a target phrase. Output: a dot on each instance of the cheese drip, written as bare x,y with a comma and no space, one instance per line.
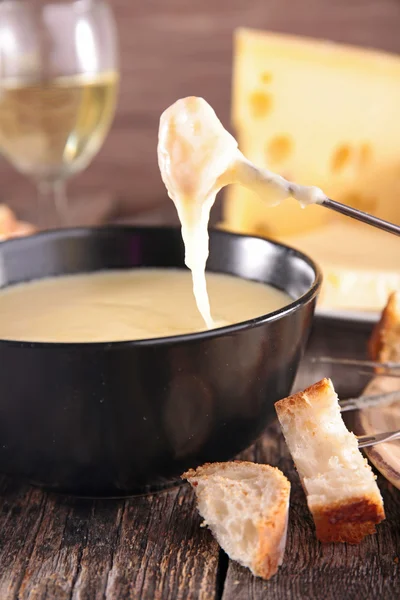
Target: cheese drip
197,157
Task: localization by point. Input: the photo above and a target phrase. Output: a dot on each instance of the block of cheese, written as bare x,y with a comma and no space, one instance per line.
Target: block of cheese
320,114
360,264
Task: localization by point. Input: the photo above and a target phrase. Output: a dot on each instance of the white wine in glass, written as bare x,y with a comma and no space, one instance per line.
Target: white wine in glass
58,89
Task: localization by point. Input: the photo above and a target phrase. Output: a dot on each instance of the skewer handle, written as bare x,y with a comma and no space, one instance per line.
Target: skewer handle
361,216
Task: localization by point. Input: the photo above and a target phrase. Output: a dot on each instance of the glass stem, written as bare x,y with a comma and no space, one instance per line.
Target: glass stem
52,198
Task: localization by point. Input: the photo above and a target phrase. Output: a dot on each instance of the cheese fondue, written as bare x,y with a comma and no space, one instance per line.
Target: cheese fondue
125,305
197,157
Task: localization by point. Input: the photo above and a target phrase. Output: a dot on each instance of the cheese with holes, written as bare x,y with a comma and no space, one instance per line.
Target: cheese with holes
328,115
321,114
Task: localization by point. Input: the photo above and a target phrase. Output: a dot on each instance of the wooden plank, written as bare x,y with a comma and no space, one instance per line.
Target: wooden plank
147,547
73,550
97,556
21,512
163,553
53,563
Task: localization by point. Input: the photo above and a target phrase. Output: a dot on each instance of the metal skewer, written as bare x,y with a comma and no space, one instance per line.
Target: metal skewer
361,216
387,369
356,362
371,440
369,401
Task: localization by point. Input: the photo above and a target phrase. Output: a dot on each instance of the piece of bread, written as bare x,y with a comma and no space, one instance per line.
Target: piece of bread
341,490
246,506
384,344
8,221
9,225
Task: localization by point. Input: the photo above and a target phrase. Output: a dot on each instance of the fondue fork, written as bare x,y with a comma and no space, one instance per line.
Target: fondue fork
360,215
364,441
302,193
369,401
248,174
386,369
368,367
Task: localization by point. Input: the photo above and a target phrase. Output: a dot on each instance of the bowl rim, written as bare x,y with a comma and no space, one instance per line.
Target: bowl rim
174,339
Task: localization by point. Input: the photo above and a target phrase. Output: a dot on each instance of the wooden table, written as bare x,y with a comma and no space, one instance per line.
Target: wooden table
152,547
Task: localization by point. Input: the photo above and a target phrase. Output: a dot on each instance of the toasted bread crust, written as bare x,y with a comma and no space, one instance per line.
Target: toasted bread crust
384,346
349,522
208,469
380,346
310,395
272,540
271,529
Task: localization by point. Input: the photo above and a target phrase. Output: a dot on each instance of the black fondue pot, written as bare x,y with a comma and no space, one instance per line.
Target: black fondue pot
113,419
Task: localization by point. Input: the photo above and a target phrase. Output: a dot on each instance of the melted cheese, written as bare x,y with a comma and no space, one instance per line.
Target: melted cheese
127,304
195,152
197,157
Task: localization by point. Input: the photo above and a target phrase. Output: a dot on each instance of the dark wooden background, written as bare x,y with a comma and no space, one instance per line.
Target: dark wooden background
172,48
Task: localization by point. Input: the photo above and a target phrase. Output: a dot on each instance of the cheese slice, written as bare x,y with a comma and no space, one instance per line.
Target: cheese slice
322,114
360,264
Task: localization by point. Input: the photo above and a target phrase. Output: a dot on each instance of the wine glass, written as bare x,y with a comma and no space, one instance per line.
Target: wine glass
58,89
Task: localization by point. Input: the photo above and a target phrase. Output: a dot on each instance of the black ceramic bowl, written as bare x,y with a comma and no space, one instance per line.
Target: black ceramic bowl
112,419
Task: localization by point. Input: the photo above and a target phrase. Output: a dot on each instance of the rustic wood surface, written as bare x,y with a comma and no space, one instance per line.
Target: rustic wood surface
176,48
153,548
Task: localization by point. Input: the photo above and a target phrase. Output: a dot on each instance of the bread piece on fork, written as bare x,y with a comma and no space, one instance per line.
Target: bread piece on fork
246,507
341,490
384,344
384,347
